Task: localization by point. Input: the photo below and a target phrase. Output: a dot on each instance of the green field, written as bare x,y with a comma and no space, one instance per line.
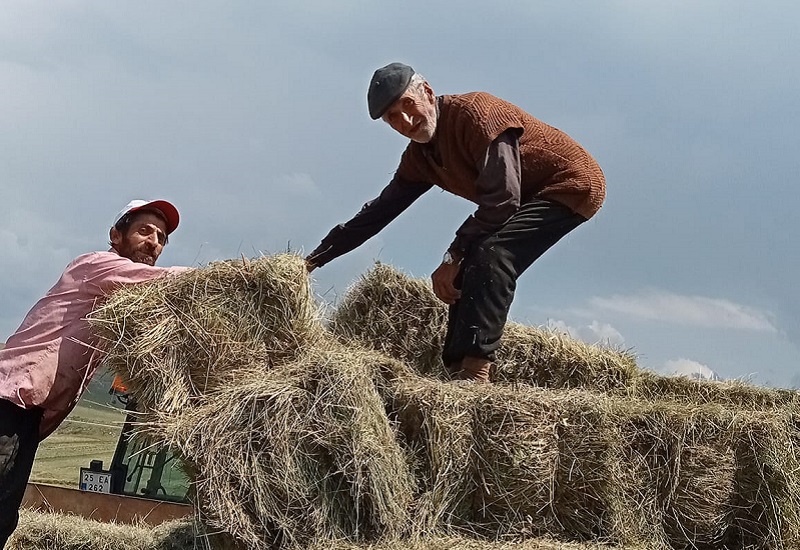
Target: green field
89,433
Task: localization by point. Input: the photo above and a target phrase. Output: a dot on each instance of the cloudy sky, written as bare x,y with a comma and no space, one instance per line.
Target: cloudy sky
251,117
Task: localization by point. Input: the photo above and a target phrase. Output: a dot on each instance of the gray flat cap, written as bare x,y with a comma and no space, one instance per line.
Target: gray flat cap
387,85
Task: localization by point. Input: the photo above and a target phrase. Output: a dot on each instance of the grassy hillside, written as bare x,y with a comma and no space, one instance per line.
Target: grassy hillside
89,433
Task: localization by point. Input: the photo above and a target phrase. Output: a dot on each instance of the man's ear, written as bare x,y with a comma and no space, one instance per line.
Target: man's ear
115,236
429,91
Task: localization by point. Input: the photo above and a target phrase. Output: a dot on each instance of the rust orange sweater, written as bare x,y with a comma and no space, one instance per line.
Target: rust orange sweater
554,166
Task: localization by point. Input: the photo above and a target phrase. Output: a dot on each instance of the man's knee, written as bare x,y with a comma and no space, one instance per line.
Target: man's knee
488,260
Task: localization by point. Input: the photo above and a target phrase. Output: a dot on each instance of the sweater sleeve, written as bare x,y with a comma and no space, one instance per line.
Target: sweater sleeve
373,216
498,187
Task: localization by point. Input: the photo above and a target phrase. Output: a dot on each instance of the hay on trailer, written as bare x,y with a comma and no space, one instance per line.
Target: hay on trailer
549,359
306,452
391,313
401,317
54,531
650,386
282,427
46,531
466,543
501,463
178,338
298,438
704,476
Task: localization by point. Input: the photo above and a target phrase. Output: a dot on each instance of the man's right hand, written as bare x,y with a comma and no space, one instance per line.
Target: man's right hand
444,283
310,266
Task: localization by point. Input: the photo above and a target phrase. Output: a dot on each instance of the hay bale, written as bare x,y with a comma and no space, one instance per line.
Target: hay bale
396,315
400,316
548,359
45,531
497,462
728,393
502,463
703,477
467,543
338,480
177,338
53,531
306,452
283,428
437,426
674,476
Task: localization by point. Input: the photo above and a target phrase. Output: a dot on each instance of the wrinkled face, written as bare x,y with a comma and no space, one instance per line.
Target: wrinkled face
143,241
414,114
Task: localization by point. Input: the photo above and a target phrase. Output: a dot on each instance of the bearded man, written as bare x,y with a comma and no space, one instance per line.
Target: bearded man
531,182
48,362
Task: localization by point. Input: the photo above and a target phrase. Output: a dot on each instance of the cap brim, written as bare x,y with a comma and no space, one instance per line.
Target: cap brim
377,111
171,215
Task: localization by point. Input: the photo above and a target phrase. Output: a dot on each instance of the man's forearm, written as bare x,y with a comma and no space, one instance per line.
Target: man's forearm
373,216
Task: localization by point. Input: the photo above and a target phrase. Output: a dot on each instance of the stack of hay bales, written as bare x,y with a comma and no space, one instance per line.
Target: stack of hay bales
283,428
633,456
298,433
401,317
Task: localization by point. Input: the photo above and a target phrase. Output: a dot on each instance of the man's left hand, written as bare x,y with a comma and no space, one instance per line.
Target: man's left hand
444,283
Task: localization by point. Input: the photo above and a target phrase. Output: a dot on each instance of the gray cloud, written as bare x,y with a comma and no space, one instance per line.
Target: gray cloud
688,367
658,305
594,333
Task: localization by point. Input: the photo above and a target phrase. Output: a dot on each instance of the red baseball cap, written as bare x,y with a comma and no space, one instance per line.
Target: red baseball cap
166,208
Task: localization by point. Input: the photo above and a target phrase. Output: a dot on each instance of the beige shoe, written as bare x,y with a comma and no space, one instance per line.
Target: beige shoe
475,369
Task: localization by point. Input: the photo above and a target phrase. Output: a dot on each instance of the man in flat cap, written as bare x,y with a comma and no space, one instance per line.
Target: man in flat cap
531,182
48,362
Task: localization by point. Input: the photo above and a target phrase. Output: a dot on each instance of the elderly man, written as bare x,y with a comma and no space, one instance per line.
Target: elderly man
48,362
531,182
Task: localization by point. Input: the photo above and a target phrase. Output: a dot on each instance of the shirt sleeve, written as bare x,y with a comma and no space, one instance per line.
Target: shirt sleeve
110,271
498,186
398,195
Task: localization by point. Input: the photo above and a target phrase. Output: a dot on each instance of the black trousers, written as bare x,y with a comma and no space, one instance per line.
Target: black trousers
489,273
19,439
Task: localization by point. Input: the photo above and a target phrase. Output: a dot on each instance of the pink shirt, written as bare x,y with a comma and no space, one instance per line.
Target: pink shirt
49,361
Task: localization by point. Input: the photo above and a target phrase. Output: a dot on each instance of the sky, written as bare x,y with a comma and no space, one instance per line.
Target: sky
251,117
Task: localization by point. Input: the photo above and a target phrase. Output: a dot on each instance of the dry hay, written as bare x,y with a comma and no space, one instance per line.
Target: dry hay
282,427
184,337
466,543
46,531
704,477
729,393
53,531
393,314
501,463
306,452
401,317
297,438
